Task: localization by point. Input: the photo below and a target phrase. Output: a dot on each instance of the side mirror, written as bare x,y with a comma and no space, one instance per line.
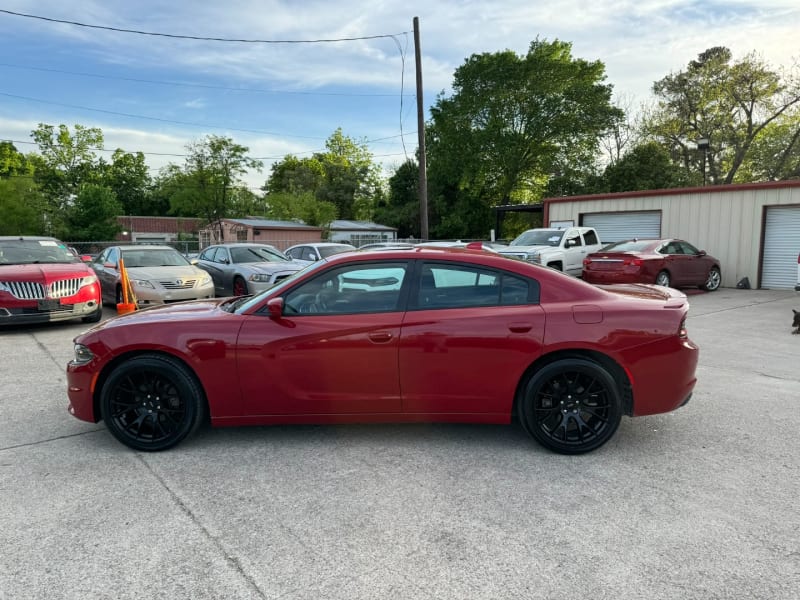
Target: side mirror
571,242
275,307
86,258
701,253
194,261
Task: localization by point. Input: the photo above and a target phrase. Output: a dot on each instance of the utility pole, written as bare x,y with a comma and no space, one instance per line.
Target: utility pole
423,169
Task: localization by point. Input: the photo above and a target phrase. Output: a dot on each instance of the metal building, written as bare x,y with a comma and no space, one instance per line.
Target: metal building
753,229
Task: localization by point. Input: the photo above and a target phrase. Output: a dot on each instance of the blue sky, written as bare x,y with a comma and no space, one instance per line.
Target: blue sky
156,94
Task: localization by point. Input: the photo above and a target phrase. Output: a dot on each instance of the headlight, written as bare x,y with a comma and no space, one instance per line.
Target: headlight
262,277
82,354
143,283
89,280
533,257
205,280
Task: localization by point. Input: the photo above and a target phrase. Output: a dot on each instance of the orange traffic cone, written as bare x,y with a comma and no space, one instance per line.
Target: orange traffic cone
128,303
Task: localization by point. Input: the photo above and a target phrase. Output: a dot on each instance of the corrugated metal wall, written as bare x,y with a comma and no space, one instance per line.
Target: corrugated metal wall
726,223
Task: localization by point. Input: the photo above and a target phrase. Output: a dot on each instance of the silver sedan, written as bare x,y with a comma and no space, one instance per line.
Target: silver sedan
241,269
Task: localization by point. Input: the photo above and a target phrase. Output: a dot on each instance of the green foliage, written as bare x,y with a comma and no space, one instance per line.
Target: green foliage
729,102
300,206
400,207
13,163
21,204
344,175
210,184
511,122
93,215
646,167
128,177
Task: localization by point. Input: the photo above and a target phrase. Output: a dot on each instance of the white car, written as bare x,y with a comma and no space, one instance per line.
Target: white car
159,275
314,251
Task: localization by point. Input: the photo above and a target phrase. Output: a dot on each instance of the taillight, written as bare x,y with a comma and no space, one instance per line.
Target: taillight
682,333
586,261
632,262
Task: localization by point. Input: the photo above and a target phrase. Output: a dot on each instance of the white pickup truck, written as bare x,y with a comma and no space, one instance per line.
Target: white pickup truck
562,249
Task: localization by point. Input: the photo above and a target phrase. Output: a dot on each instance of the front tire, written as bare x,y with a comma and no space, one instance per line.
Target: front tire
571,406
714,280
152,402
239,286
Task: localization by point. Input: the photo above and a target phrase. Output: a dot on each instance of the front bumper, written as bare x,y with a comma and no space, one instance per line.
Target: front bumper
149,296
81,379
34,312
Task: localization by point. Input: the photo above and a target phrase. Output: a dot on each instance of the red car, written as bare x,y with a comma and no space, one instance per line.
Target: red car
671,263
397,335
42,280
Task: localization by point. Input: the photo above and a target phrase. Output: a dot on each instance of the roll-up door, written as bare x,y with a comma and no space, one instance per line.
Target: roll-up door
618,226
781,247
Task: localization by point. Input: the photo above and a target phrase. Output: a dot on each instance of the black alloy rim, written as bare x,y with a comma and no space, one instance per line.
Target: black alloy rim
572,408
147,407
239,287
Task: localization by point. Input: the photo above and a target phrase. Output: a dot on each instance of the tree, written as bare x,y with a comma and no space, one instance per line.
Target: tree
344,175
400,207
729,102
21,204
210,184
510,123
93,215
13,163
301,206
128,177
646,167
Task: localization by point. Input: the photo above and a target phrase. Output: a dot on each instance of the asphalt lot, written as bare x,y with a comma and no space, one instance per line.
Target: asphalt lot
700,503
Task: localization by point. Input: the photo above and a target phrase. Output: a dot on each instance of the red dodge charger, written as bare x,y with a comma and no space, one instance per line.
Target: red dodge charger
398,335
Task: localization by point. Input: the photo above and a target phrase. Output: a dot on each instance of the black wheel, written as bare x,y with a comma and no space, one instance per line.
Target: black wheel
714,280
571,406
663,279
152,402
95,316
239,286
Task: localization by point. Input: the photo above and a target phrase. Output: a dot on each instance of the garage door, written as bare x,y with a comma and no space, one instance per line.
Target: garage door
618,226
781,247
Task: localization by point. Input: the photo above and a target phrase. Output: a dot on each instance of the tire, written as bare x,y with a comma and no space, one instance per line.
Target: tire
152,402
570,406
714,280
239,286
556,265
95,316
663,278
119,295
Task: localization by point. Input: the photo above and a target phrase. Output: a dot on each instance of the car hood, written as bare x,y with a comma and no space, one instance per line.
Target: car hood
275,267
159,273
519,249
193,310
43,272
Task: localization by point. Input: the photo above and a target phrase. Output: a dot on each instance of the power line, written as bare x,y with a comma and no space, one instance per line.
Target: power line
197,85
201,38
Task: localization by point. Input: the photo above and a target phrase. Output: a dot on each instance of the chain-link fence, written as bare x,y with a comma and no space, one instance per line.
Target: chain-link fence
187,248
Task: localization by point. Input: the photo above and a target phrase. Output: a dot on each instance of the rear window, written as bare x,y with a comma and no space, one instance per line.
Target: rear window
629,246
29,252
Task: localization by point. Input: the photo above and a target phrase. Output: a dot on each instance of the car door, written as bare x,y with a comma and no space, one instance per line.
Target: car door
696,265
105,266
467,338
677,263
574,252
208,262
335,348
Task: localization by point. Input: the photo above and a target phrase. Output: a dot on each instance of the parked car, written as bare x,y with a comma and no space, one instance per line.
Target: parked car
407,335
560,249
41,280
315,251
381,245
241,269
667,262
159,274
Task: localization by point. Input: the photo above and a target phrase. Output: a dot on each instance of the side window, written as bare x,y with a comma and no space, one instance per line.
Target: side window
353,289
222,256
463,286
687,248
293,253
590,238
112,256
208,254
671,248
309,254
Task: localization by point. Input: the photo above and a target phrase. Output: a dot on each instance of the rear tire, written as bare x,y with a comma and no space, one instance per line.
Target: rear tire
663,278
570,406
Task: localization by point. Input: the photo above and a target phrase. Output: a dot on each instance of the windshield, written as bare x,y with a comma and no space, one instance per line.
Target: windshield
539,237
277,290
326,251
153,257
254,254
29,252
629,246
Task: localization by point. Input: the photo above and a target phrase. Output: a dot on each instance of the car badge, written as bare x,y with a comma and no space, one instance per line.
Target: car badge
178,282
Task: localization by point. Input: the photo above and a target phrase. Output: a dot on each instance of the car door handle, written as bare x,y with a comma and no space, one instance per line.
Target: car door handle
520,327
380,337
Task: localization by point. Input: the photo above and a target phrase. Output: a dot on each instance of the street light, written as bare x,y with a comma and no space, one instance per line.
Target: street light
702,144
